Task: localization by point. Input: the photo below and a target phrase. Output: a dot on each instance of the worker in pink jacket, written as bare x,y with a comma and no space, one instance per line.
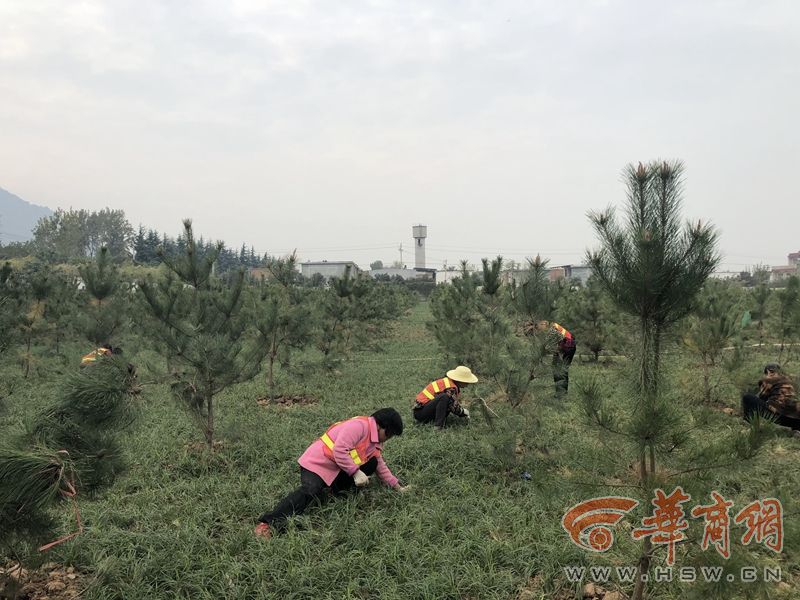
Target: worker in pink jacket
340,460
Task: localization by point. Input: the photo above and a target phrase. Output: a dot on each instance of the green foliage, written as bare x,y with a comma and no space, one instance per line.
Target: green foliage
208,340
591,316
789,311
178,523
31,481
77,234
34,287
714,324
92,406
61,306
354,313
490,328
653,269
457,321
105,300
760,301
9,308
282,314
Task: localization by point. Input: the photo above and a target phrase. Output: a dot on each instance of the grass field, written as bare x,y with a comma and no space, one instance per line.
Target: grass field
179,522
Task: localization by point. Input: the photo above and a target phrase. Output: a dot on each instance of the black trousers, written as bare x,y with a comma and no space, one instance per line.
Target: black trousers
561,362
436,410
312,488
752,404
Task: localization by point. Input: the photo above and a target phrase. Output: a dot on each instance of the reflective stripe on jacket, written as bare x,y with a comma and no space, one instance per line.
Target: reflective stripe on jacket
94,355
562,331
359,453
434,388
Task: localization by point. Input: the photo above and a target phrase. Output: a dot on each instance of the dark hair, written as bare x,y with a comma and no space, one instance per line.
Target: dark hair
774,367
389,420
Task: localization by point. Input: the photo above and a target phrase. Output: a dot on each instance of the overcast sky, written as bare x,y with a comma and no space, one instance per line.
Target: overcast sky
332,127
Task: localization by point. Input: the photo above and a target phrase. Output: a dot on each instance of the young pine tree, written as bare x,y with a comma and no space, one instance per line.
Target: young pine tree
788,312
104,298
713,325
282,316
653,268
761,295
37,284
60,307
10,308
534,300
457,322
198,319
591,316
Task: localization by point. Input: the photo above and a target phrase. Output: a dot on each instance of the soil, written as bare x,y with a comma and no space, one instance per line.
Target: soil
51,581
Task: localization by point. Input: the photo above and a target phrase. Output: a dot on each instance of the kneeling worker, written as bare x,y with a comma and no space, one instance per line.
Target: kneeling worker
339,461
441,397
776,399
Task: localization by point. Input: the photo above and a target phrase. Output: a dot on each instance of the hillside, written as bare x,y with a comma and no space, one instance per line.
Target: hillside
18,217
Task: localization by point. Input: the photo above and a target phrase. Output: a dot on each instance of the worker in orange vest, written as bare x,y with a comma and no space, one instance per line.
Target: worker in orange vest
340,460
95,355
441,397
562,344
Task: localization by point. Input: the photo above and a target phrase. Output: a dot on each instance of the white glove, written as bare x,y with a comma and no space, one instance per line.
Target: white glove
466,412
360,478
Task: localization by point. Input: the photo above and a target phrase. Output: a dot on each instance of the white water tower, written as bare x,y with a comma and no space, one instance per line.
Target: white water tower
420,232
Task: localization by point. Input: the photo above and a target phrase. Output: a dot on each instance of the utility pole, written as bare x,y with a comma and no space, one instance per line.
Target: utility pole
401,255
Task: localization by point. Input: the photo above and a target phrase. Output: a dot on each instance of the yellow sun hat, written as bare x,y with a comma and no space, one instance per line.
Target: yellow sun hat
462,374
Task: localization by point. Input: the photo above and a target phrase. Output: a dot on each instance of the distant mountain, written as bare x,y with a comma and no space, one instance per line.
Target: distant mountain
18,218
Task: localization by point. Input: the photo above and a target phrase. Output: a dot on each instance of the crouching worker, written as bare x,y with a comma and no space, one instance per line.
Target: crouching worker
776,399
442,397
341,460
95,355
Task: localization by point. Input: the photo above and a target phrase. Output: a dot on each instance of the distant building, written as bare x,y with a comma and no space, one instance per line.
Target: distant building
726,275
446,275
333,268
579,272
782,272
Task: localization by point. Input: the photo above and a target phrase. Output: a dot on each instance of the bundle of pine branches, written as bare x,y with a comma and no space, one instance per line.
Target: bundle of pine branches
30,482
94,405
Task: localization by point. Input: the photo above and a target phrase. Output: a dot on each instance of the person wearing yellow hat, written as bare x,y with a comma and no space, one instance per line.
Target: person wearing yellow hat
441,397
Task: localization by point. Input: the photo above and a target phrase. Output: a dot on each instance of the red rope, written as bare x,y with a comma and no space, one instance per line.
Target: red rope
68,493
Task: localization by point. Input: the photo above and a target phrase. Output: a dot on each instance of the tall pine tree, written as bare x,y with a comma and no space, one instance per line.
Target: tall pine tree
653,268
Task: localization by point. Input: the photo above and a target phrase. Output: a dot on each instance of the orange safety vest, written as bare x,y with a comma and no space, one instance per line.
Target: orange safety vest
88,359
359,454
564,333
435,387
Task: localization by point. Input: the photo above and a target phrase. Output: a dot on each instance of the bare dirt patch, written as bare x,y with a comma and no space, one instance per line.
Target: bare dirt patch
51,581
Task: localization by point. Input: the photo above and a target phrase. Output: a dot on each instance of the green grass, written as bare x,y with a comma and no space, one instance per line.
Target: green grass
178,523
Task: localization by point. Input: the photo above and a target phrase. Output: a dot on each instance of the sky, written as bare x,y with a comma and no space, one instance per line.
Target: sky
333,127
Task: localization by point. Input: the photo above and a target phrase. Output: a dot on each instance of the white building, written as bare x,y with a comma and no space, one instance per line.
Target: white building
333,268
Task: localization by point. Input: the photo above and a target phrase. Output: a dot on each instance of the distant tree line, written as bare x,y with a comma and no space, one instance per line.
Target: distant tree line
77,235
149,247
